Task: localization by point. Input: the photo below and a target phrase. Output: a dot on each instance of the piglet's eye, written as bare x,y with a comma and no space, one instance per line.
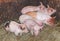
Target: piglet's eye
51,10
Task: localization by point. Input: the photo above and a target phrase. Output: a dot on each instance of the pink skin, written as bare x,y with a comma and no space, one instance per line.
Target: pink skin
47,10
33,8
33,27
50,10
16,28
36,33
41,7
28,9
45,18
50,21
22,18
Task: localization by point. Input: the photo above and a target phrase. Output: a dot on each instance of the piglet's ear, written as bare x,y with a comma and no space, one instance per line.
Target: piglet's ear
48,6
22,27
41,6
41,3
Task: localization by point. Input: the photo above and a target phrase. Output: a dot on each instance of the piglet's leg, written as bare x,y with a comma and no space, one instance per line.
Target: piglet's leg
36,33
21,34
31,32
16,33
39,23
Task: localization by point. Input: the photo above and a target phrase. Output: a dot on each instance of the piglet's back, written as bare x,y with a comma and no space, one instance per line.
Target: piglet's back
28,9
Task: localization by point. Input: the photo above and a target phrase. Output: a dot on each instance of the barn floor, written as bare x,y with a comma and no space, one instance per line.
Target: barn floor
47,34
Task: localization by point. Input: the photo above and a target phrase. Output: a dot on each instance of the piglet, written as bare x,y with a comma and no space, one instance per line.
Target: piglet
33,25
27,9
43,10
16,28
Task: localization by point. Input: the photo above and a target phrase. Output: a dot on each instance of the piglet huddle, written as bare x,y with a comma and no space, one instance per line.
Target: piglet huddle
32,20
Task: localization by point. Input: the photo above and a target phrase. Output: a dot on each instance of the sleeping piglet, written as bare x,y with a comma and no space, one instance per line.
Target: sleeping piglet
32,25
16,28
